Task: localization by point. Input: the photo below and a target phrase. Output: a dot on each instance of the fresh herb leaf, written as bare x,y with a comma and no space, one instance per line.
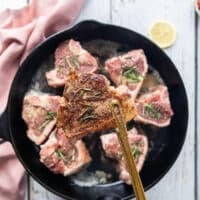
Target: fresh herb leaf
86,90
136,152
87,93
71,62
90,92
88,114
67,62
87,105
43,125
61,155
74,61
89,117
132,75
82,91
152,111
60,69
50,115
65,156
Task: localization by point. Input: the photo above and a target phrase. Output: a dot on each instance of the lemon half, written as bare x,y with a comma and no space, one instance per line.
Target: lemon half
162,33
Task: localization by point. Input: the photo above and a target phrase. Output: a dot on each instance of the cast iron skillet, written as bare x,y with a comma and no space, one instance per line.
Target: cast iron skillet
167,141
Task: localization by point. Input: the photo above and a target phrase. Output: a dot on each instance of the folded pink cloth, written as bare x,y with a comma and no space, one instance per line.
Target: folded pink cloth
20,31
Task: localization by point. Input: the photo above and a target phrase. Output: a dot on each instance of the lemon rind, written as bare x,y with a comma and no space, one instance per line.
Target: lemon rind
163,45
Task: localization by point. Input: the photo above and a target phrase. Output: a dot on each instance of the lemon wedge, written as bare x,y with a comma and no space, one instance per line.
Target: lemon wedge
162,33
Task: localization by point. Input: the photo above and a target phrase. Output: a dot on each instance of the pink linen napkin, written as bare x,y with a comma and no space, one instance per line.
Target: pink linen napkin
20,31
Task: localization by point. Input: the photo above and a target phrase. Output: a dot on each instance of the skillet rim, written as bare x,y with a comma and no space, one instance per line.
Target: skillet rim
73,28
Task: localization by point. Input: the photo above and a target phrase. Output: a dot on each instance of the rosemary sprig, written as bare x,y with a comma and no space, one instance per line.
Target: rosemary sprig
49,117
61,155
152,111
74,61
82,91
88,114
71,62
92,96
132,75
43,125
136,152
68,63
64,157
91,93
87,105
89,117
59,69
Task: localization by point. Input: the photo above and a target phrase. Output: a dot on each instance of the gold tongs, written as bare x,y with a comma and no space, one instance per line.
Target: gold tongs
123,138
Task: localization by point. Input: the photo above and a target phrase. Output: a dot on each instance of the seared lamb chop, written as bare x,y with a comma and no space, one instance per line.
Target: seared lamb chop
70,55
85,107
63,157
39,113
112,148
128,70
154,107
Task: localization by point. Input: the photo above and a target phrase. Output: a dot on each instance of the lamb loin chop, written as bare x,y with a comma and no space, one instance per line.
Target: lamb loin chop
112,149
85,107
154,107
128,70
70,55
63,157
39,113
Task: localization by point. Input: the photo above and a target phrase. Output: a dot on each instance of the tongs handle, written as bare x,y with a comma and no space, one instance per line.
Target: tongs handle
123,138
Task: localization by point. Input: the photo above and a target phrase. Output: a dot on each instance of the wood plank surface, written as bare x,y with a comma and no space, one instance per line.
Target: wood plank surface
12,4
95,10
197,138
137,15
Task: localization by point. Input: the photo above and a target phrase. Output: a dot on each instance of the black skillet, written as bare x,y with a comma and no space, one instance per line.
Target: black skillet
165,143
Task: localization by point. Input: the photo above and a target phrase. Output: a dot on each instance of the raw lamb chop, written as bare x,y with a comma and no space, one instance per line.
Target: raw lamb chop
63,157
70,55
112,148
39,113
154,107
128,70
85,107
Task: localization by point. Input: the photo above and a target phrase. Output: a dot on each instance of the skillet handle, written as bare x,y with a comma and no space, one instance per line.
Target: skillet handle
4,131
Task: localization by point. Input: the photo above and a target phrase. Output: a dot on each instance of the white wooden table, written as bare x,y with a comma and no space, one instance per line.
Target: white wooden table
183,180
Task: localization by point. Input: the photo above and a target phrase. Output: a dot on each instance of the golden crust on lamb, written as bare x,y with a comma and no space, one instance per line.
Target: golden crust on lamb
85,105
